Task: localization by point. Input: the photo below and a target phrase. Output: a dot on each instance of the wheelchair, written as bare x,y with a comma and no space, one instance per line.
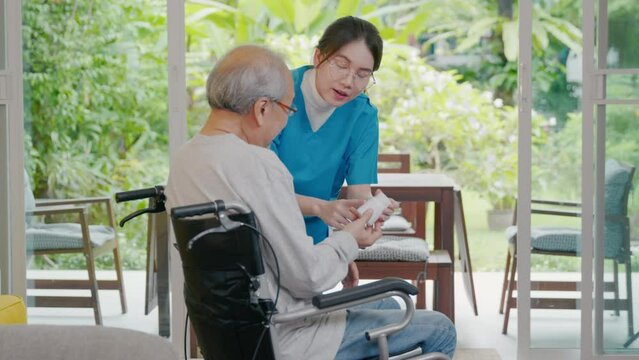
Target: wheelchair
221,251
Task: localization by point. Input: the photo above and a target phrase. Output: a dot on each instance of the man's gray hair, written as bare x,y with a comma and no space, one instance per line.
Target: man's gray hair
244,75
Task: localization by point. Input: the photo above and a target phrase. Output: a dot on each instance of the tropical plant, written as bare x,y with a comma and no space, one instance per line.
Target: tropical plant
95,86
493,34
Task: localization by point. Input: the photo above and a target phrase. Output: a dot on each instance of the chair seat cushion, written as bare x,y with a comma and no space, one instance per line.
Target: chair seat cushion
396,248
396,223
65,236
556,239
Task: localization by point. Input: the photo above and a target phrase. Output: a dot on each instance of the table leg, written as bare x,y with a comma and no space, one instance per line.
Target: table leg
445,287
444,292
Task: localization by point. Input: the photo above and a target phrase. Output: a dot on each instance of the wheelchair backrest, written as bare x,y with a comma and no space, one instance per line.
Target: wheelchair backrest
221,268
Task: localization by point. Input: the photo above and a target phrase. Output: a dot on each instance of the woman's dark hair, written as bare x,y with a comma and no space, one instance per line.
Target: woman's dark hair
346,30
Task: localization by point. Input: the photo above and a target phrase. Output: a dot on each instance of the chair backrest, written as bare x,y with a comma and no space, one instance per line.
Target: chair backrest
29,199
219,271
393,163
413,212
618,182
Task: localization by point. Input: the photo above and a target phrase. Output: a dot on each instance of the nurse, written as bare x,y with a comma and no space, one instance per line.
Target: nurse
332,133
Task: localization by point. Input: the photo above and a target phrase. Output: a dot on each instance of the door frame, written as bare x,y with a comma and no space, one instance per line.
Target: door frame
11,95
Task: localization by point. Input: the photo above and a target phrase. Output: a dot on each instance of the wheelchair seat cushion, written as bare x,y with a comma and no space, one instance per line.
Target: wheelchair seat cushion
396,248
65,236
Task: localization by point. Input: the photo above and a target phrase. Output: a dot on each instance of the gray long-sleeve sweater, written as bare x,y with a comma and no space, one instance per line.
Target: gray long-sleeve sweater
209,168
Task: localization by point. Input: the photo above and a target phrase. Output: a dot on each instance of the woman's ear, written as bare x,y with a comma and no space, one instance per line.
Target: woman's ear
317,57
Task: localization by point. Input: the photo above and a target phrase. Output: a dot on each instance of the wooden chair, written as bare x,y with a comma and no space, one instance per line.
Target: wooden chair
413,213
404,253
556,241
76,237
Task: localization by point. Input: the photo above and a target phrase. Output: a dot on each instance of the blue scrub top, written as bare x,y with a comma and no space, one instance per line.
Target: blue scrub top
344,148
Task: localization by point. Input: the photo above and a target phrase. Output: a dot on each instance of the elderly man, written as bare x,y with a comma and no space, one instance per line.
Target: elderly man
250,91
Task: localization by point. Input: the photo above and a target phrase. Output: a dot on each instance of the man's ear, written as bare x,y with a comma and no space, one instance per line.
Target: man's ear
260,108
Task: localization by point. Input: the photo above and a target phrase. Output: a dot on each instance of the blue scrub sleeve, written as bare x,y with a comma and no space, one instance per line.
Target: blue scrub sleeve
362,162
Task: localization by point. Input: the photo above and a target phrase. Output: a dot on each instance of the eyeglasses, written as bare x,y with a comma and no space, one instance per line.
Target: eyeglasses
340,68
290,110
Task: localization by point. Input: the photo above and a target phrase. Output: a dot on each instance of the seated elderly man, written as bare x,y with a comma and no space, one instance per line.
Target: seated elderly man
250,91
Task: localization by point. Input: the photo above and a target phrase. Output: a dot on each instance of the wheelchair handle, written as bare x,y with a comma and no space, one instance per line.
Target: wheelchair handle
139,194
208,208
156,201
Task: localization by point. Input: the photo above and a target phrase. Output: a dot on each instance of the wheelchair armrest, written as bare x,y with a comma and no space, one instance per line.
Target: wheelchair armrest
364,291
374,291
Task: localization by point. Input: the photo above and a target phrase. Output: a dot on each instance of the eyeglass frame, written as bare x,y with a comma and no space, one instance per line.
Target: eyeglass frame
354,76
290,109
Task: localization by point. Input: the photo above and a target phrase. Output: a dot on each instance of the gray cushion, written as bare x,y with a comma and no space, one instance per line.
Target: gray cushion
556,239
551,238
56,342
396,223
396,248
65,236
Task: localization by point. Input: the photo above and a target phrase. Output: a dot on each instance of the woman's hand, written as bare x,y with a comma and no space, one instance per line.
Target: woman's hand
390,209
352,277
338,213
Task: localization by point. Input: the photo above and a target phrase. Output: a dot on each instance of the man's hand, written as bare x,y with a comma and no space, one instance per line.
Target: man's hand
364,235
352,277
337,213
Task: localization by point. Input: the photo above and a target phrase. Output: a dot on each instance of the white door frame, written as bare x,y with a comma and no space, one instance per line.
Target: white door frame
14,270
176,32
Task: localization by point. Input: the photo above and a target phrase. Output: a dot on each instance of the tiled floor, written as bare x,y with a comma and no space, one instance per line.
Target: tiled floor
551,328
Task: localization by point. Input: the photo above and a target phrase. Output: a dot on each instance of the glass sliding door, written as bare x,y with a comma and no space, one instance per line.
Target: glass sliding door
548,281
95,123
556,176
615,105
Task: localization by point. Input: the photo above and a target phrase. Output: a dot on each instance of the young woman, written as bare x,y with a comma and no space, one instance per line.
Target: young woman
333,134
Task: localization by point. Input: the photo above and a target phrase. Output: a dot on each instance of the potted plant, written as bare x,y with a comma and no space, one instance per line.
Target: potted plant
496,181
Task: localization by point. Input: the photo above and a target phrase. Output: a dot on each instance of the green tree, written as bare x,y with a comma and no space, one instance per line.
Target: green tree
493,34
95,88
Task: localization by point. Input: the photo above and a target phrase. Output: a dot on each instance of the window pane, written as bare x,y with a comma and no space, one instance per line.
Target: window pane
556,176
623,49
620,225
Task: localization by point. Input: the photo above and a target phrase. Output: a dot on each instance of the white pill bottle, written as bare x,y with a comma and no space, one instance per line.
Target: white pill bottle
378,203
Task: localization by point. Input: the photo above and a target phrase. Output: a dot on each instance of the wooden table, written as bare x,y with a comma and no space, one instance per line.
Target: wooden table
439,189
